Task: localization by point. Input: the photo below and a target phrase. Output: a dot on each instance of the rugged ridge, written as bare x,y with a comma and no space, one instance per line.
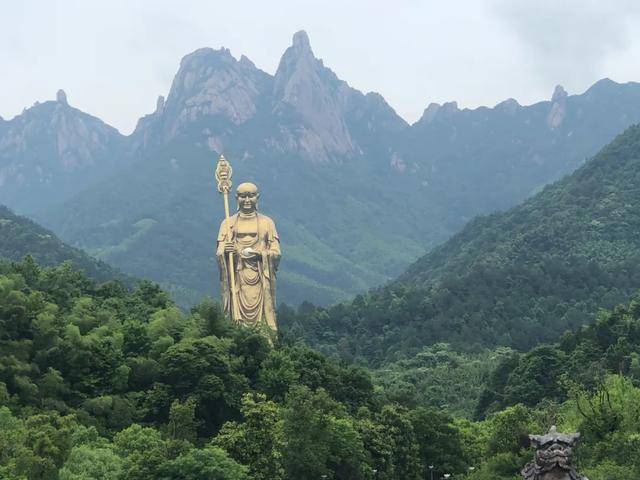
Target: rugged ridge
482,160
212,82
312,112
52,151
314,93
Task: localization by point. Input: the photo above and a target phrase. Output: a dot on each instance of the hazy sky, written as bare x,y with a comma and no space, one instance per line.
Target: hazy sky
113,58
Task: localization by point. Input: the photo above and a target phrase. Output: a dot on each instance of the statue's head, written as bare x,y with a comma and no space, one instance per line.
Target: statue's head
554,450
247,195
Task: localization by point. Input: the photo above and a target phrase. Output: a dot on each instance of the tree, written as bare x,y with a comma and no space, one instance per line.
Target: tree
47,444
277,374
405,452
12,437
182,422
320,438
86,462
536,377
510,430
209,463
143,452
258,441
611,470
438,439
203,369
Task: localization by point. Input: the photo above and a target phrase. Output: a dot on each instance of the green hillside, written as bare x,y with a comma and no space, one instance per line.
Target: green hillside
20,237
98,382
516,278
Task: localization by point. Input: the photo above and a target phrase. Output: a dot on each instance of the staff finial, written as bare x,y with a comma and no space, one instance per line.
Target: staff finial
223,175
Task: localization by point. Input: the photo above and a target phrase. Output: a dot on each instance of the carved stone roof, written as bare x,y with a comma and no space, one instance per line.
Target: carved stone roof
555,436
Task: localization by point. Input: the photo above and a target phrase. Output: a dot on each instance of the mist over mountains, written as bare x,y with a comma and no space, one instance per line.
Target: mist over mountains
356,192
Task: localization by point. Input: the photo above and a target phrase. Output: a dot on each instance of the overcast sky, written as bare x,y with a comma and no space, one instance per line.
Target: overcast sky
114,57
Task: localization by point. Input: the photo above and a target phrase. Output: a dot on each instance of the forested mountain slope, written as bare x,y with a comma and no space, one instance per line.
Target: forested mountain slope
20,237
516,278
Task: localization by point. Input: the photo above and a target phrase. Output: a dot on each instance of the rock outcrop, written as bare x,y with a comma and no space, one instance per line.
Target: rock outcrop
558,107
61,97
213,83
304,87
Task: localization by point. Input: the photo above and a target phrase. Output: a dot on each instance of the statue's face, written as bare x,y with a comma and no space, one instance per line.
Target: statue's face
247,196
554,455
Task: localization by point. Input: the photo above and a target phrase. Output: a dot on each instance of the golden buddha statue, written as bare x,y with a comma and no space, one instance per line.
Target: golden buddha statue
249,240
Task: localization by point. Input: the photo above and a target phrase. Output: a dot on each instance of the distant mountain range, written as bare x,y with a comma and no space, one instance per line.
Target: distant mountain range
517,278
356,192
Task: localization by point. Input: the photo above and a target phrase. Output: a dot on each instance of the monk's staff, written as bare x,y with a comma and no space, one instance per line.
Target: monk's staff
223,177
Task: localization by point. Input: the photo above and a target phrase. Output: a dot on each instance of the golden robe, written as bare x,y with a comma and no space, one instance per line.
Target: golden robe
255,277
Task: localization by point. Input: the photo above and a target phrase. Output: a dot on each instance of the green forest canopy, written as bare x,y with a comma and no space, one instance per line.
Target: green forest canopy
97,381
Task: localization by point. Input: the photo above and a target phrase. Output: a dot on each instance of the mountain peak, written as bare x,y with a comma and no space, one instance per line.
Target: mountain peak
73,148
246,62
61,97
508,106
430,113
211,83
297,55
160,104
206,54
558,93
558,107
301,41
302,84
602,85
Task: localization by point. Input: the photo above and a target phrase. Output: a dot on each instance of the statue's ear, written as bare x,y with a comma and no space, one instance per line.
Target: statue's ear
534,441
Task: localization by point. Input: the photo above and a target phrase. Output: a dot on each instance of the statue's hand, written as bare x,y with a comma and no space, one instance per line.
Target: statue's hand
251,253
229,247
